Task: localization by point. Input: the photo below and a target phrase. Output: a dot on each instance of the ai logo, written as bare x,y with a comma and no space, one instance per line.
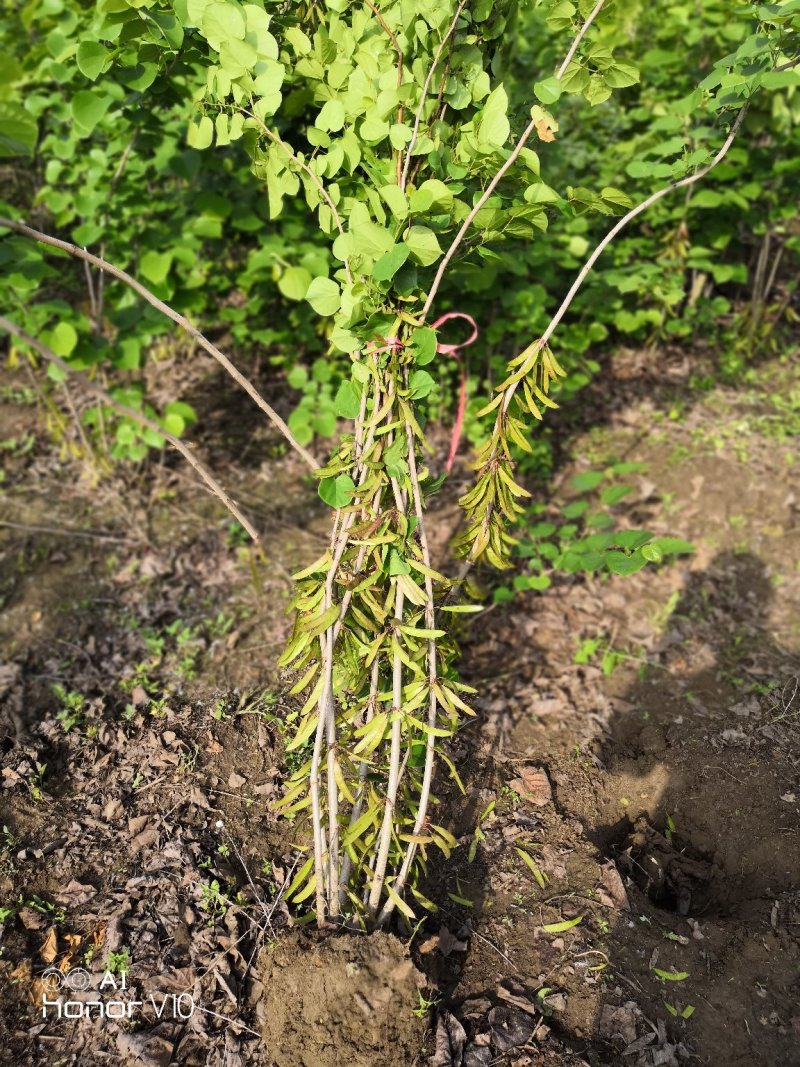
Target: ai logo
57,983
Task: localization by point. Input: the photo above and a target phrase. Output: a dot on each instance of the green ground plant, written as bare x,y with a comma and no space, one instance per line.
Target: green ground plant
393,129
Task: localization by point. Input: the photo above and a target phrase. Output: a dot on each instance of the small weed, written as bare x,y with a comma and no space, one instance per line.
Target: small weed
680,1013
219,711
21,395
18,446
118,962
236,536
296,759
220,626
213,900
8,840
36,780
478,834
600,646
54,912
72,704
662,615
424,1006
188,760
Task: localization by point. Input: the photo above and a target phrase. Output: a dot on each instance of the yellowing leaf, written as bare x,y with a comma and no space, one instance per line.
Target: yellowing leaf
399,903
543,131
559,928
537,874
49,949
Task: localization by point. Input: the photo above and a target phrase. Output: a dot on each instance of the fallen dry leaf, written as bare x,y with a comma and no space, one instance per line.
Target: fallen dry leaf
75,894
144,840
30,918
74,942
534,785
49,949
611,881
22,972
450,1040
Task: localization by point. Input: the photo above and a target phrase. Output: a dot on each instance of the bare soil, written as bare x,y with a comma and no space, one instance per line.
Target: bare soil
658,799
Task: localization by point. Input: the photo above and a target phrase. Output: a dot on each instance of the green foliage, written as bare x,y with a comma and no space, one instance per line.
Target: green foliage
106,90
683,274
70,714
121,176
588,542
118,962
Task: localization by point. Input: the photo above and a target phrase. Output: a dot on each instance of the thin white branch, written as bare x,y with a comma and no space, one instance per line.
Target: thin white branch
609,237
387,828
355,814
690,179
430,622
490,188
180,320
316,810
137,416
426,86
576,43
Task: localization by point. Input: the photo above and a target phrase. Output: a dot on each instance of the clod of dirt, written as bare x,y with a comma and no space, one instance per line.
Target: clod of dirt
346,999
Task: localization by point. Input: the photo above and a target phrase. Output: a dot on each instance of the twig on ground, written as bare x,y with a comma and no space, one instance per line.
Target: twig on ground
63,531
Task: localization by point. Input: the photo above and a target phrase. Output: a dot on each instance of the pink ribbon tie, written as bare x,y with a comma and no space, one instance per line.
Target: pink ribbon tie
453,350
393,343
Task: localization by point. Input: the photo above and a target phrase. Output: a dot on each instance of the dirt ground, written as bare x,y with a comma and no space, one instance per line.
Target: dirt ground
638,740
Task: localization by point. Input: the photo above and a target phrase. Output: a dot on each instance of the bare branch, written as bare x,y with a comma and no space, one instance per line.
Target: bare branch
182,321
387,828
787,66
430,622
690,179
490,188
585,270
137,416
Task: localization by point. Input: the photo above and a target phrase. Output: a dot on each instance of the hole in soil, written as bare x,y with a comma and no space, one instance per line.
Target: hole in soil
668,870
